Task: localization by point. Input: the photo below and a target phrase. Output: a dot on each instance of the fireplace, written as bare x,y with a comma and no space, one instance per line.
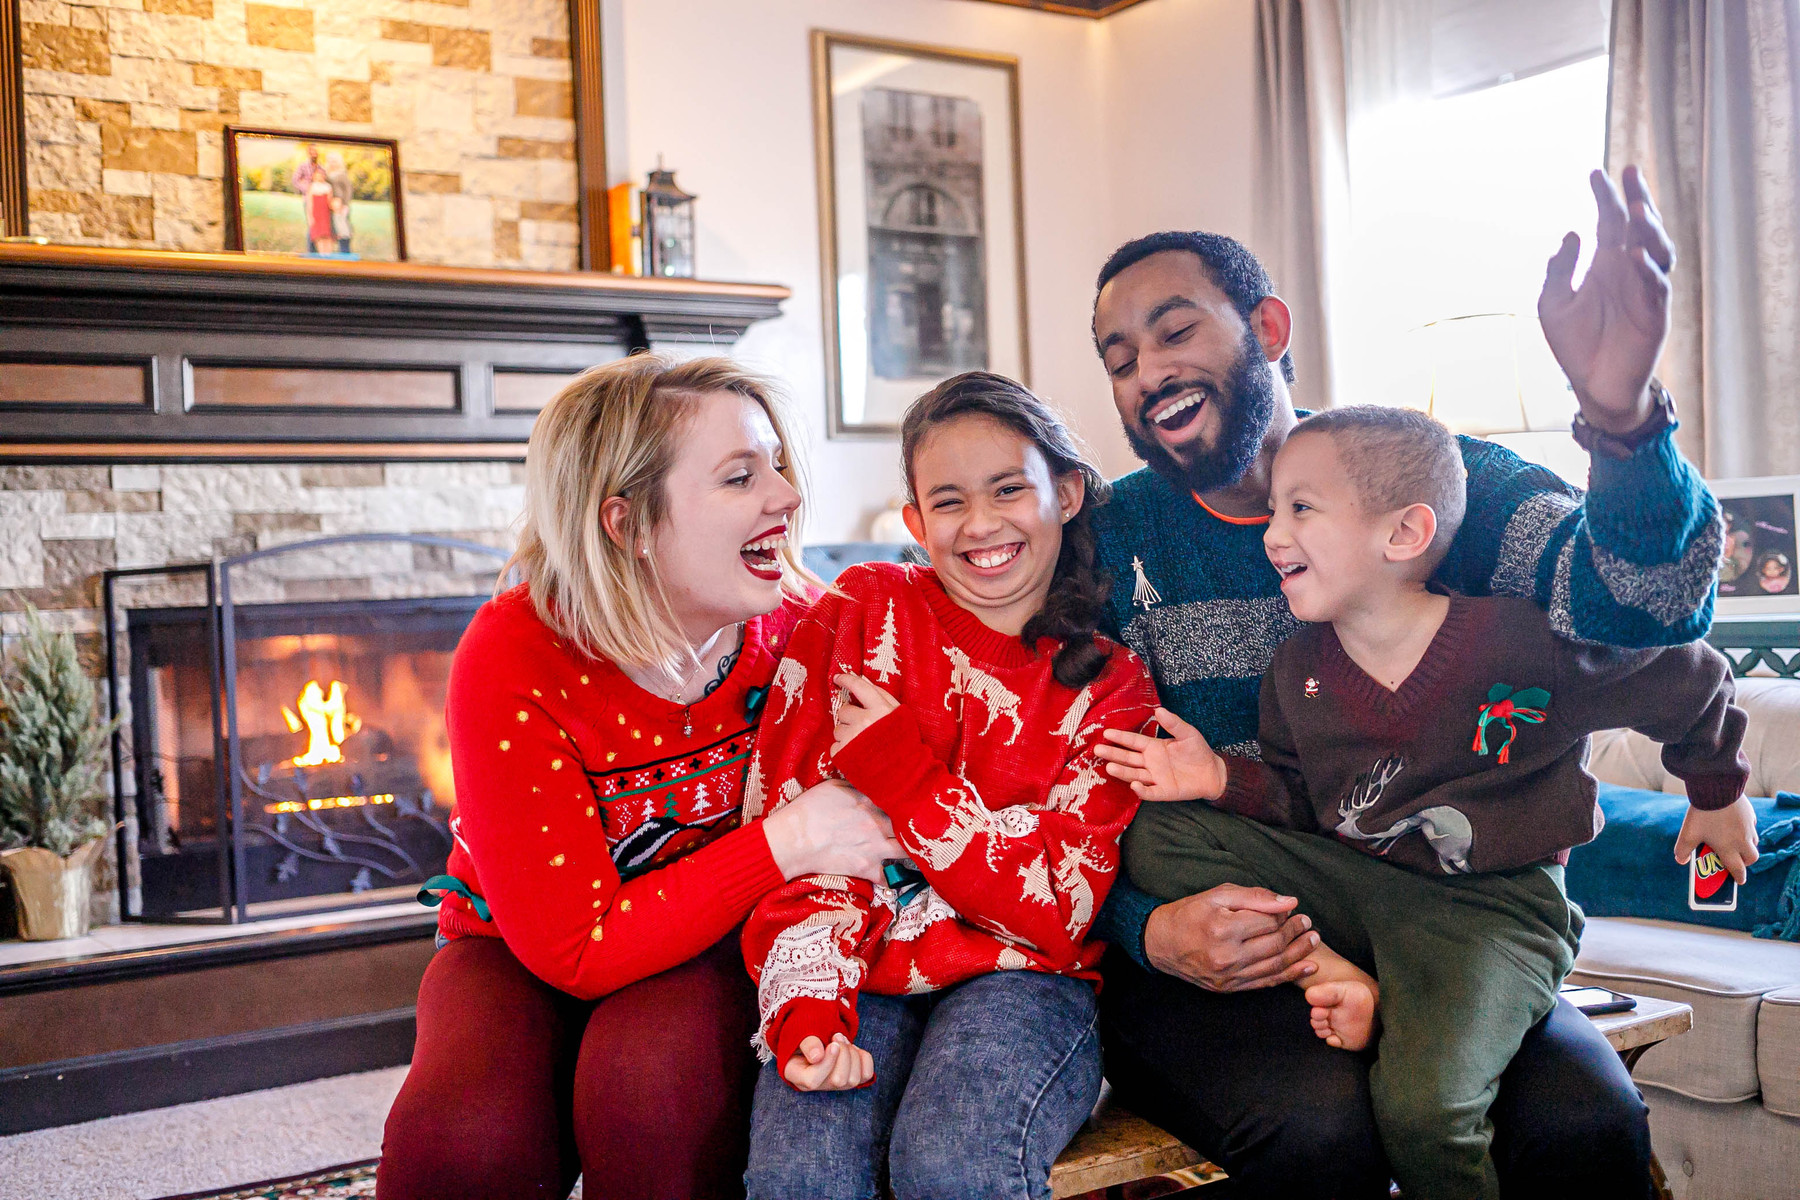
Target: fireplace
288,755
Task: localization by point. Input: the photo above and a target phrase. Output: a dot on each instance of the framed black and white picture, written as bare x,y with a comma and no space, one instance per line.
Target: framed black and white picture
1757,572
921,220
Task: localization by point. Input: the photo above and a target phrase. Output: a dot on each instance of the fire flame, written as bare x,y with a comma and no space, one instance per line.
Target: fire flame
327,722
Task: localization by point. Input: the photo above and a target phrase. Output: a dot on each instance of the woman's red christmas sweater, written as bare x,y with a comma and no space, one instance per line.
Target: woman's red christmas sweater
988,773
605,843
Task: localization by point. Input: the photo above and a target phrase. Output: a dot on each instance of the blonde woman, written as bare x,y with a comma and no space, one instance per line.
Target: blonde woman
588,1012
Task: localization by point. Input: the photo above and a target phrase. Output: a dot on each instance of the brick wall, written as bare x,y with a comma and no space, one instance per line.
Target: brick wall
125,101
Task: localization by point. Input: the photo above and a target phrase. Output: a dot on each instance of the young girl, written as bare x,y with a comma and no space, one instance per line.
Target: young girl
938,1031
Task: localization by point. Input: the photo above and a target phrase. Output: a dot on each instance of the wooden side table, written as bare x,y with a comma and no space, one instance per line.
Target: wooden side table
1632,1033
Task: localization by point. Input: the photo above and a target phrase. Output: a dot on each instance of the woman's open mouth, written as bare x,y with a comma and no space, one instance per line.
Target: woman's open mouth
992,560
762,555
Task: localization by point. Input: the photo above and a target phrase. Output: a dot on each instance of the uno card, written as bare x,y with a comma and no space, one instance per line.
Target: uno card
1710,886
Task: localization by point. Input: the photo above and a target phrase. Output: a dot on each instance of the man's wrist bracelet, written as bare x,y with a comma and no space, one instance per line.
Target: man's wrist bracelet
1624,445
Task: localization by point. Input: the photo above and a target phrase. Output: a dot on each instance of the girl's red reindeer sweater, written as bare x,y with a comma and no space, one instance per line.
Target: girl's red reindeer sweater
988,773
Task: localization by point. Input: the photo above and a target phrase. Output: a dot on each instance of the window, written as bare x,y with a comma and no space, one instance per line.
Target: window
1457,203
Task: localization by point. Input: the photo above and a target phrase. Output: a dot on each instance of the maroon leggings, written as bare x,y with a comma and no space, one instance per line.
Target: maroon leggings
516,1088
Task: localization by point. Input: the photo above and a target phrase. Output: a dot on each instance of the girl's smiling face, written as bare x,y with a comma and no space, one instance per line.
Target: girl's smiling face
990,513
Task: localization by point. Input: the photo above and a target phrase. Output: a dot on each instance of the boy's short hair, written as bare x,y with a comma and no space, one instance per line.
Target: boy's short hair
1397,457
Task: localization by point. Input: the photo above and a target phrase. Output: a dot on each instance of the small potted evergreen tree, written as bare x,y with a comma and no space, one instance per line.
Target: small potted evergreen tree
52,747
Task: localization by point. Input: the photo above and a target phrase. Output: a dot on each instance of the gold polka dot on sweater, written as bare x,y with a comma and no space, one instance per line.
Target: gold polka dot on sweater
597,935
557,861
523,716
637,733
565,695
537,693
624,906
660,895
657,740
590,811
596,883
556,764
546,829
597,903
621,718
505,745
584,679
611,754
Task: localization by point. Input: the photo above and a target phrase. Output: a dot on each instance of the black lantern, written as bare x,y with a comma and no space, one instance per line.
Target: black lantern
668,226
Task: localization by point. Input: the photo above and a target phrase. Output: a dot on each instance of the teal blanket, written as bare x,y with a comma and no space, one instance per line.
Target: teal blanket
1630,869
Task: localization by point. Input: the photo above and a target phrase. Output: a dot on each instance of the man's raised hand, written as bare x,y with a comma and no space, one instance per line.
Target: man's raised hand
1179,767
1608,333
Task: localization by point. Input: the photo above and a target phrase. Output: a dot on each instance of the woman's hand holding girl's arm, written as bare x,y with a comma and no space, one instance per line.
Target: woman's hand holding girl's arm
831,829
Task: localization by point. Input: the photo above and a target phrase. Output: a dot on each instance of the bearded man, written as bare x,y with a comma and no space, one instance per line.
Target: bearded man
1195,342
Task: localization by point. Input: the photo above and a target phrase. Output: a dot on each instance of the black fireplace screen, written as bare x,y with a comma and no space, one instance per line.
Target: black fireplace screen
285,755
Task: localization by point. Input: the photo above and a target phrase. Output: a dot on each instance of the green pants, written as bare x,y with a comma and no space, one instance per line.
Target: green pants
1467,965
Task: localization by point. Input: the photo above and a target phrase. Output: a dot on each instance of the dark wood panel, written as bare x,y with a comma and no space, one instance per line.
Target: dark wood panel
527,391
1073,8
14,219
150,451
297,387
590,135
111,385
125,1015
63,1093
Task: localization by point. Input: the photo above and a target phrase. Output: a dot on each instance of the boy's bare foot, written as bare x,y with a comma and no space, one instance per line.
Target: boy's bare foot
1343,1013
1345,999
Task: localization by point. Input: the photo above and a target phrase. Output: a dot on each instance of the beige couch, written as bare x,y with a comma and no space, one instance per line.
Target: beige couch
1724,1098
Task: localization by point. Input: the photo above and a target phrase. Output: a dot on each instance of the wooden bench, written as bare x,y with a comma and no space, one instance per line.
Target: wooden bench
1117,1147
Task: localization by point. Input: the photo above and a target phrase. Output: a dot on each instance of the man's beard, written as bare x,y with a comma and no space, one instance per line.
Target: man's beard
1246,407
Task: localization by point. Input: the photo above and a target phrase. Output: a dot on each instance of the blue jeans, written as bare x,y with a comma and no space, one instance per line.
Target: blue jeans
977,1089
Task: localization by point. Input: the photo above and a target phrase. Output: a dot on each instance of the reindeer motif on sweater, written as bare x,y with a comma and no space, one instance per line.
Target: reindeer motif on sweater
987,772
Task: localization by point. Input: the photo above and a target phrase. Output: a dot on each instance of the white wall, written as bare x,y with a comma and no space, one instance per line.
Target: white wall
1138,122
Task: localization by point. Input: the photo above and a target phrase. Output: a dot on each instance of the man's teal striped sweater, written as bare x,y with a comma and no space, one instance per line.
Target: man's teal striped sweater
1632,563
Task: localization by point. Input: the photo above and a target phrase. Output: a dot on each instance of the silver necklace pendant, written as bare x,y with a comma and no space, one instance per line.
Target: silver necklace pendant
687,721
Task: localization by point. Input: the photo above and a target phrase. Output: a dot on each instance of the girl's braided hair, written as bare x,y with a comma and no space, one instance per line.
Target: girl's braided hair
1078,590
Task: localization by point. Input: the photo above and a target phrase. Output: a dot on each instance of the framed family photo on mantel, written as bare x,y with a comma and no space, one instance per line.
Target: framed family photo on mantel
329,195
921,220
1757,572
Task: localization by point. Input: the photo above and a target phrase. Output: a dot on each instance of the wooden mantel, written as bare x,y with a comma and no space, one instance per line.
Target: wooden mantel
146,354
82,285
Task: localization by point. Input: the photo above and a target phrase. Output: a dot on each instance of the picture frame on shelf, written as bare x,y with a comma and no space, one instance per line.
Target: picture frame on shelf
921,223
328,195
1758,573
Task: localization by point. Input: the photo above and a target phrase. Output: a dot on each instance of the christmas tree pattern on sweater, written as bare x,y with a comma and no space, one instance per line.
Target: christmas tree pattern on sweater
986,770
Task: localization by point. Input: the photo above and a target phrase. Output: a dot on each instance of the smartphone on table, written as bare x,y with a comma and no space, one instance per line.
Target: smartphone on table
1594,1001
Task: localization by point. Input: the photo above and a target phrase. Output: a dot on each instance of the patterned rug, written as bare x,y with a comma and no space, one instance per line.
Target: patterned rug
357,1179
333,1183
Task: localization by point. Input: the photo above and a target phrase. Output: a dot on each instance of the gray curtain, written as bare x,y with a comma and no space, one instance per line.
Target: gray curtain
1302,174
1705,97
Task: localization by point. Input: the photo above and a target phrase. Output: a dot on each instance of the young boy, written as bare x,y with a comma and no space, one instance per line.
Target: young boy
1421,783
